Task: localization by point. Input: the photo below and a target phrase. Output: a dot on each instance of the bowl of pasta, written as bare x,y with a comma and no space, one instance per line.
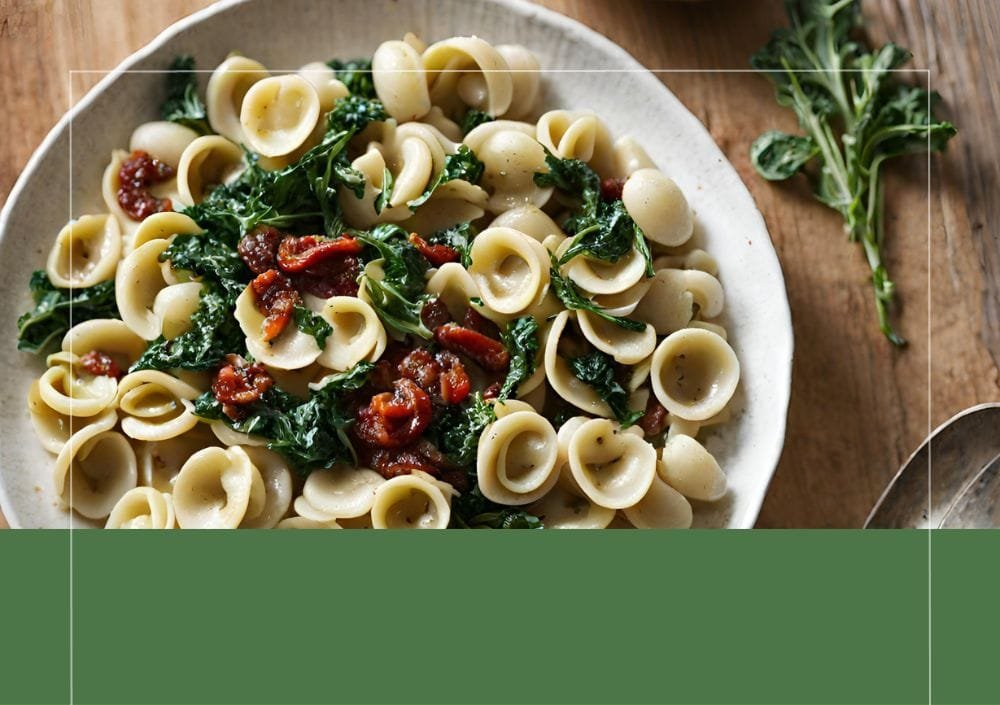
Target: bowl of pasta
491,274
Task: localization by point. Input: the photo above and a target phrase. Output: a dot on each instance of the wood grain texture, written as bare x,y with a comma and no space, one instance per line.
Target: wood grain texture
858,406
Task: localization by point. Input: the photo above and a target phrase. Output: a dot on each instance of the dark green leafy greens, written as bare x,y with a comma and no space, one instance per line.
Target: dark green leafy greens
398,297
458,237
600,229
310,433
41,329
596,370
356,74
183,105
855,116
521,340
573,300
462,165
312,324
474,118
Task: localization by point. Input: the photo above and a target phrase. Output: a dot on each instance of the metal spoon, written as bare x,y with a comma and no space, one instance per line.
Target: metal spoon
953,478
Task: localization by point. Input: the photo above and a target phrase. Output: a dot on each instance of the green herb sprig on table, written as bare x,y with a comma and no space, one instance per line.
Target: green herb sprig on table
855,117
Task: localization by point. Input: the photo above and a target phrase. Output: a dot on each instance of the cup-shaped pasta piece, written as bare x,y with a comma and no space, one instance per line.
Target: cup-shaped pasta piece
692,470
578,135
279,113
52,428
155,406
454,286
400,82
451,203
143,508
107,335
694,373
510,160
138,281
206,163
277,488
470,70
561,378
163,226
160,461
613,468
361,211
658,206
565,506
304,523
410,502
525,80
693,259
329,89
517,458
342,491
86,252
713,327
227,86
599,277
162,140
511,406
529,220
100,472
217,489
174,305
625,346
669,304
228,437
630,157
357,333
304,509
81,435
291,350
625,302
70,390
663,507
510,269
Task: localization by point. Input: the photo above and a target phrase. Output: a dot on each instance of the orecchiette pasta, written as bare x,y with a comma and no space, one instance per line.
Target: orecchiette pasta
227,86
142,508
218,489
410,502
86,252
613,468
694,373
287,353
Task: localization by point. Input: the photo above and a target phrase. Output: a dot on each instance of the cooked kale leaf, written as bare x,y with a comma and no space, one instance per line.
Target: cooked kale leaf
41,329
462,165
312,324
398,298
595,370
183,105
354,113
310,433
521,340
356,74
855,116
456,429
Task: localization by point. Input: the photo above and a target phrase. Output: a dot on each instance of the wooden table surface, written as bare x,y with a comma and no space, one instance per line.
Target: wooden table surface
858,406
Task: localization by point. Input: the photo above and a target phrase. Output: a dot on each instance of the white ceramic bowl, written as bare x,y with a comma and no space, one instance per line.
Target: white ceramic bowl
586,71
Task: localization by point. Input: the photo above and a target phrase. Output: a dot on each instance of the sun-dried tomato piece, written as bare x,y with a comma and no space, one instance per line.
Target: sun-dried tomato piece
480,323
259,249
420,366
276,298
434,313
488,353
435,254
239,383
453,380
393,462
337,276
611,189
655,419
135,177
297,254
492,391
394,419
101,364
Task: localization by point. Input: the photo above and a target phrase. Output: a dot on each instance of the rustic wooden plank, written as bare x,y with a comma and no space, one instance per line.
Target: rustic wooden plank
858,407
